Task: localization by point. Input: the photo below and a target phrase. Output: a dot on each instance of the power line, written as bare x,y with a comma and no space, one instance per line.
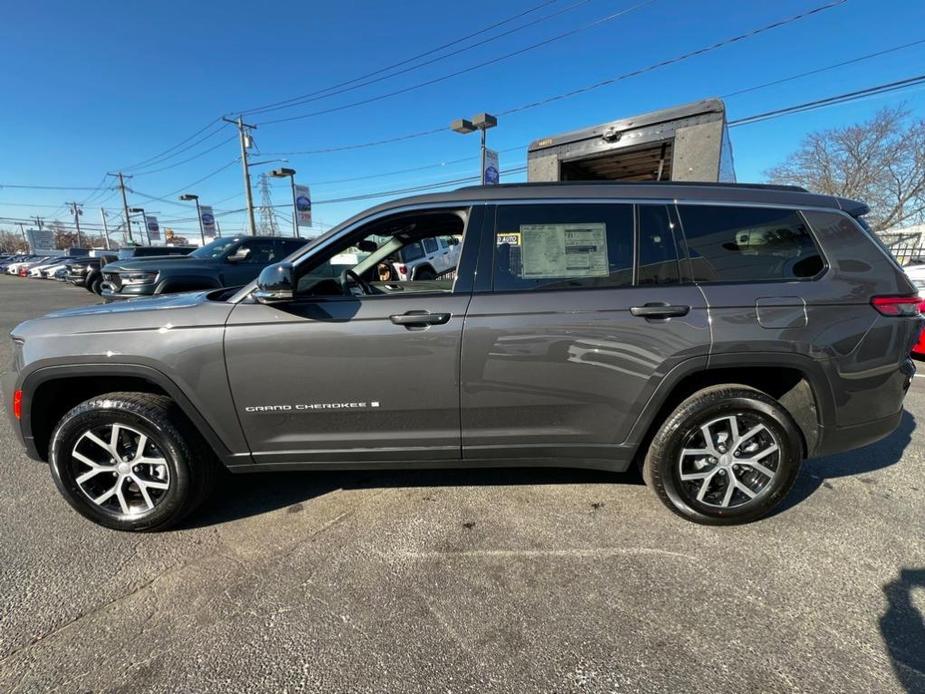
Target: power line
187,148
185,161
358,83
170,149
587,88
830,101
558,37
800,75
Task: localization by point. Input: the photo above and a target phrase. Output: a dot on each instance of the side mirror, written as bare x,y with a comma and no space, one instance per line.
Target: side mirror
274,284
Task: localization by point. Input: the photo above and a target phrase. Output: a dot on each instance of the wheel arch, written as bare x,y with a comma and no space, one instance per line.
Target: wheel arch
49,392
797,383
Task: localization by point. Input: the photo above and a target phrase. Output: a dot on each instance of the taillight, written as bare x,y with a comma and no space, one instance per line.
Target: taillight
17,404
897,305
402,269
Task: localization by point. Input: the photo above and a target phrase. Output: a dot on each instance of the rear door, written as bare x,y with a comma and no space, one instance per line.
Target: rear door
583,313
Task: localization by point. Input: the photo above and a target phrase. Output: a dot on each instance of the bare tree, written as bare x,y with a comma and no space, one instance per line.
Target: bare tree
880,161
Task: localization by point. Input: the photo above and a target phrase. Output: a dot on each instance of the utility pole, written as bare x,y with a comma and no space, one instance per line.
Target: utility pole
245,137
105,228
76,211
22,230
128,221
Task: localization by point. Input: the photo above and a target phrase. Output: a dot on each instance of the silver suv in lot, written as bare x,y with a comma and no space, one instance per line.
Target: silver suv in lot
714,335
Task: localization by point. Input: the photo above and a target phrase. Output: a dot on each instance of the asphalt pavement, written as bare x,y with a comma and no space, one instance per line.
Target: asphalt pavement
466,581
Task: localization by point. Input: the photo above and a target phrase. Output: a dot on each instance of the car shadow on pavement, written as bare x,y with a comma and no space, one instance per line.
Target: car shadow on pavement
816,472
903,629
250,494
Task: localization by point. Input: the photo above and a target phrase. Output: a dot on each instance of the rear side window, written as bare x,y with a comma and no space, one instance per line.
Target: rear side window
563,246
742,244
658,254
430,245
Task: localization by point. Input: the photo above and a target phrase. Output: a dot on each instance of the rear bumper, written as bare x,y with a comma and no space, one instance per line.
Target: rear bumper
838,439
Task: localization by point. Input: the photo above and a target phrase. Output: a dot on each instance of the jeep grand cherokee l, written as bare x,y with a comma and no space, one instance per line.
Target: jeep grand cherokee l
715,335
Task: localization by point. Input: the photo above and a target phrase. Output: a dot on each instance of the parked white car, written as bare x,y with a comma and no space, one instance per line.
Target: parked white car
428,258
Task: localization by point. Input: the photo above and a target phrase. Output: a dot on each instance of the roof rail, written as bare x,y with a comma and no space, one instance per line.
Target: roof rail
691,184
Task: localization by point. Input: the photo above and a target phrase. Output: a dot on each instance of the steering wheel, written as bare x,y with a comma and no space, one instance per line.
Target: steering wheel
349,277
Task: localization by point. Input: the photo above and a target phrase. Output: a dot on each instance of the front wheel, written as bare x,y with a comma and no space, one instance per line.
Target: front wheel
130,461
96,286
728,454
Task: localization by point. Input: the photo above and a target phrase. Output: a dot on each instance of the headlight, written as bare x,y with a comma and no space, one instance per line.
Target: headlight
139,278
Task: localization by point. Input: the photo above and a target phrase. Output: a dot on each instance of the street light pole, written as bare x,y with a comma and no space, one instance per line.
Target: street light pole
282,173
481,122
202,233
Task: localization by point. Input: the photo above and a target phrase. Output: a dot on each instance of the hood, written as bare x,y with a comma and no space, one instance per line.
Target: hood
164,301
159,262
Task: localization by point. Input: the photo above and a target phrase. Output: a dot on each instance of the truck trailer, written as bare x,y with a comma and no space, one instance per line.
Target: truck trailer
682,143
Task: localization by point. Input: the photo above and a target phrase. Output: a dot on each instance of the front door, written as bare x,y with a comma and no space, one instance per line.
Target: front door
587,310
361,367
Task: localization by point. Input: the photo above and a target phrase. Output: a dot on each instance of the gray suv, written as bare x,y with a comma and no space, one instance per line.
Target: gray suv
713,335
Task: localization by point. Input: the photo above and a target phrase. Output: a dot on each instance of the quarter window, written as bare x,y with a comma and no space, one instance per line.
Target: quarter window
740,244
563,246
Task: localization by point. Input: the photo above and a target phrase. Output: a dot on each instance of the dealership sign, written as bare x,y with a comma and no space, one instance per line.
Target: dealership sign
491,174
303,205
154,230
208,220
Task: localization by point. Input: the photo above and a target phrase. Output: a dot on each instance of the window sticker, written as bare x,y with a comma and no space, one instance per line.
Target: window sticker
511,238
564,250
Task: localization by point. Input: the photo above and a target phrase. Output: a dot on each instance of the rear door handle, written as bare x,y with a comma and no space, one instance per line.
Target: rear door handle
660,310
411,319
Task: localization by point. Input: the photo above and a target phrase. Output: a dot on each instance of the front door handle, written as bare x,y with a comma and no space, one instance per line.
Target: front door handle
660,310
413,319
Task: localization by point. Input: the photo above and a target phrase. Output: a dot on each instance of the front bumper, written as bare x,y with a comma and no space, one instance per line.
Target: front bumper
138,291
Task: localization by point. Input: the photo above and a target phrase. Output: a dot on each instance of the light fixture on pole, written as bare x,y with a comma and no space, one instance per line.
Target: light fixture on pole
186,197
480,122
290,173
144,220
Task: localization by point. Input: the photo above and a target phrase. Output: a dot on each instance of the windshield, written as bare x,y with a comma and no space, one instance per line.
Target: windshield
216,249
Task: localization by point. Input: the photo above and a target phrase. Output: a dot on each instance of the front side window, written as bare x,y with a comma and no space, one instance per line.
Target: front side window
563,246
384,257
748,244
430,245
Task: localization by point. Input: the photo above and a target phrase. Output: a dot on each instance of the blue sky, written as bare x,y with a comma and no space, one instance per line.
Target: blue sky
94,87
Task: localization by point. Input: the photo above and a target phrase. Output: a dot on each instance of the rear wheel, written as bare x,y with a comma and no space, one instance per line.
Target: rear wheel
726,455
130,461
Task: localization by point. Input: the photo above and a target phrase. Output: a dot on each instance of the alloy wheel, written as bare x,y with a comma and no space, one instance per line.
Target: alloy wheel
729,461
120,469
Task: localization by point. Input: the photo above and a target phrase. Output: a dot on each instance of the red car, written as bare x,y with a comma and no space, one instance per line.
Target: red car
918,350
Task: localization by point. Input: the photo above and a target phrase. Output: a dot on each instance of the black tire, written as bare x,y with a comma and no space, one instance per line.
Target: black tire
96,286
664,465
425,272
191,468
